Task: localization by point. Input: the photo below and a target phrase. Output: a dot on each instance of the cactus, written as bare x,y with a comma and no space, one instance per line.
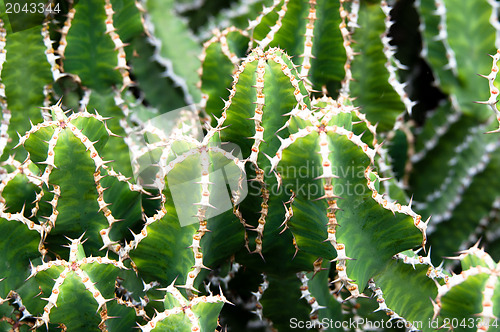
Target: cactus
256,165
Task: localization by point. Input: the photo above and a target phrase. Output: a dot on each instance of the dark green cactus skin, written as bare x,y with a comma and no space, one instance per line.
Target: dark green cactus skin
294,191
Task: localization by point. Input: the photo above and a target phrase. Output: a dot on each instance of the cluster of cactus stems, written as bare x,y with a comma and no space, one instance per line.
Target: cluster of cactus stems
292,189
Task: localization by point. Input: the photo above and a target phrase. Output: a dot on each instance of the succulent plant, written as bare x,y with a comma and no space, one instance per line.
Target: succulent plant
257,165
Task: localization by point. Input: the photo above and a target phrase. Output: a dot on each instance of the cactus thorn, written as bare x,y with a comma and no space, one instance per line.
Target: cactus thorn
260,254
335,281
484,102
436,308
48,300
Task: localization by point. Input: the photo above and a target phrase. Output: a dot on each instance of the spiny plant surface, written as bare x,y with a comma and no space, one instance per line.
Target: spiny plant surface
257,165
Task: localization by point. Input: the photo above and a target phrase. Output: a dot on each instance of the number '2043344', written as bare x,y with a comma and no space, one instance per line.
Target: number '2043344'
32,8
470,323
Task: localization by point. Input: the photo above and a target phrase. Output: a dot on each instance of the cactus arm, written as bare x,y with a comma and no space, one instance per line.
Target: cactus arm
80,139
149,73
380,99
327,64
164,232
270,73
464,178
21,242
342,150
449,51
194,173
167,30
127,20
110,106
74,212
319,43
68,282
479,281
403,292
86,42
220,57
352,221
462,44
406,286
436,49
24,79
